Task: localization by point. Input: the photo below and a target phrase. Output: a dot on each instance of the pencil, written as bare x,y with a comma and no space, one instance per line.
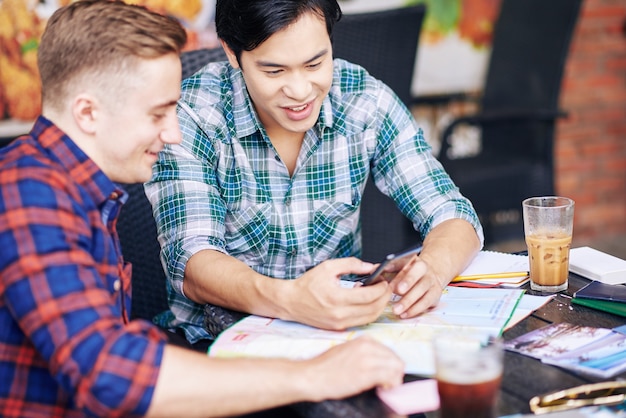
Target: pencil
506,275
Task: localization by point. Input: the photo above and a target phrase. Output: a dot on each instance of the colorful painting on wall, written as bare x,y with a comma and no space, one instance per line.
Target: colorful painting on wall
454,46
21,24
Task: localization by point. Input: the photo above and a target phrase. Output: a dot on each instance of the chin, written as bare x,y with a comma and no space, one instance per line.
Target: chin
303,126
130,178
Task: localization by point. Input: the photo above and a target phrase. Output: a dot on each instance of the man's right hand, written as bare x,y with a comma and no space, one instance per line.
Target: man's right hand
351,368
317,298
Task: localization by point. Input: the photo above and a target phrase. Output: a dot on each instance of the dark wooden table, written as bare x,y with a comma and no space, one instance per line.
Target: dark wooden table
523,378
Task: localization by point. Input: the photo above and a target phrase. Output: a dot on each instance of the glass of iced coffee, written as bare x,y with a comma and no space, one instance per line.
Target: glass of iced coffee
468,370
548,225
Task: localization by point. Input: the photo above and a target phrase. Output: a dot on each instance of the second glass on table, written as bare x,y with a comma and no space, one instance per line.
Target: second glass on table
548,226
468,369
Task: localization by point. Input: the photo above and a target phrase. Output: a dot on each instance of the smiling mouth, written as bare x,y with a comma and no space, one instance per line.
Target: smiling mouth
299,108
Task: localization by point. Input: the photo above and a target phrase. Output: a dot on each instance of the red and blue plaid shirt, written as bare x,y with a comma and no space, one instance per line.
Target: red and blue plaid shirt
67,347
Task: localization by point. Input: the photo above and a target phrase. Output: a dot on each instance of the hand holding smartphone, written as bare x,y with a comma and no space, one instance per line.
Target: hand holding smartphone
391,263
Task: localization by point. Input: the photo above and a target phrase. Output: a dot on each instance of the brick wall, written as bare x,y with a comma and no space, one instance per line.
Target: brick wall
590,145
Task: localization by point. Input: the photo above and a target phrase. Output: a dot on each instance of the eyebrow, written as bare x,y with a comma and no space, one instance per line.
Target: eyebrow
164,105
317,56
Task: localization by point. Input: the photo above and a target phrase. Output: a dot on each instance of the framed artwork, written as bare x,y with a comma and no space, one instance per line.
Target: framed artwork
454,44
21,24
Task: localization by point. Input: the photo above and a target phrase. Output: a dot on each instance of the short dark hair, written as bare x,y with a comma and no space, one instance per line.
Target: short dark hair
245,24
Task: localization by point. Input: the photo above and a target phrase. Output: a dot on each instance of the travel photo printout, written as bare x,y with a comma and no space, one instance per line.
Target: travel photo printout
600,352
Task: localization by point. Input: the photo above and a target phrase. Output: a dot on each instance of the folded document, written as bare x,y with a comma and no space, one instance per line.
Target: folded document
485,310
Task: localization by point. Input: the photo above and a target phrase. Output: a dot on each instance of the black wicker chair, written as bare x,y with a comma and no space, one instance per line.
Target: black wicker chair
385,44
518,110
4,141
194,60
138,236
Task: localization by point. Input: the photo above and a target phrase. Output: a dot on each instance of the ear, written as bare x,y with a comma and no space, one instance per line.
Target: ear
232,58
85,110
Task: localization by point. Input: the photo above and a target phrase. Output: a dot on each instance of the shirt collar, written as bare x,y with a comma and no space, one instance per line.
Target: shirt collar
60,148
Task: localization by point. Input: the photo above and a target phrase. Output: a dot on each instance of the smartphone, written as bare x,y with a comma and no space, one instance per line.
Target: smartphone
391,263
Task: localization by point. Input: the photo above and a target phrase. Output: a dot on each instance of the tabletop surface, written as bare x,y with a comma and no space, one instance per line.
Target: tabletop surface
523,378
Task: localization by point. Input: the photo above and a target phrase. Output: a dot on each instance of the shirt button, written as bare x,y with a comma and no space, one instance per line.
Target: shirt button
277,158
293,252
287,201
117,285
114,196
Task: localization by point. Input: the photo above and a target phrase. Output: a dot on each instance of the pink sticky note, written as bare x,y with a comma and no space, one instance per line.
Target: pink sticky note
412,397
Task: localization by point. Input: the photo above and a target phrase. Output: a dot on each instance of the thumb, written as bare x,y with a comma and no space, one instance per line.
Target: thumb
349,265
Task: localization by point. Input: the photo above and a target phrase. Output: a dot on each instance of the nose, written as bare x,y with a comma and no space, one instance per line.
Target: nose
298,87
171,133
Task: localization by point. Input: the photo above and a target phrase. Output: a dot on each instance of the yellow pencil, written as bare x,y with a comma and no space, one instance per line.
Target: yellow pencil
507,275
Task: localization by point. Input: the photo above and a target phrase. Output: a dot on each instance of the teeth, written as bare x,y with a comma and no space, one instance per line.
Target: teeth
298,109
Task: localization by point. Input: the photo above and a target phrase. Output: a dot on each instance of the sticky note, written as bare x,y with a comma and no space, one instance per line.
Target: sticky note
412,397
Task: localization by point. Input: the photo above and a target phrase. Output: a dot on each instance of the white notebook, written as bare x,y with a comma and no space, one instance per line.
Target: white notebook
490,262
493,262
597,265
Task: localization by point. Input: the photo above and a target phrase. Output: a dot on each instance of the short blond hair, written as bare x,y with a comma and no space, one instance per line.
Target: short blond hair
94,38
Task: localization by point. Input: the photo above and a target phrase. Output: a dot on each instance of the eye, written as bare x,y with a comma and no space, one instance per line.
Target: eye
314,66
158,116
273,72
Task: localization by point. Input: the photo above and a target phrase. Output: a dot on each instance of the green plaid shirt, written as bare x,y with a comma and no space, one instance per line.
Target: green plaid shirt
225,187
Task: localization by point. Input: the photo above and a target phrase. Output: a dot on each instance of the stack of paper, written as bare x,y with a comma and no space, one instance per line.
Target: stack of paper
495,269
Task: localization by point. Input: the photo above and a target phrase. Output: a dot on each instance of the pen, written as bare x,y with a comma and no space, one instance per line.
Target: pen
491,276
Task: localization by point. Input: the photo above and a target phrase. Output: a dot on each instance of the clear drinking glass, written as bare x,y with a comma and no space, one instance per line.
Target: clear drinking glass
468,369
548,226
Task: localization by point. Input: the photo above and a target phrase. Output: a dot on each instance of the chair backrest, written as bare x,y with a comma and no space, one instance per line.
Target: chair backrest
517,114
138,235
195,59
5,141
530,46
384,43
137,228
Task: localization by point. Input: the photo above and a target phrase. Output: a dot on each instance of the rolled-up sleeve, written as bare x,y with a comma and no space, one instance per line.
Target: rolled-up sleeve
405,169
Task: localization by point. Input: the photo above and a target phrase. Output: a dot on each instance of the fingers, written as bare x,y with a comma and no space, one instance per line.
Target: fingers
348,265
414,303
409,276
326,305
354,307
386,367
419,290
359,365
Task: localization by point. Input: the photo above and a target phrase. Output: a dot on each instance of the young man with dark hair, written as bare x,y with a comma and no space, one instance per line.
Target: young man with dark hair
111,79
267,183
